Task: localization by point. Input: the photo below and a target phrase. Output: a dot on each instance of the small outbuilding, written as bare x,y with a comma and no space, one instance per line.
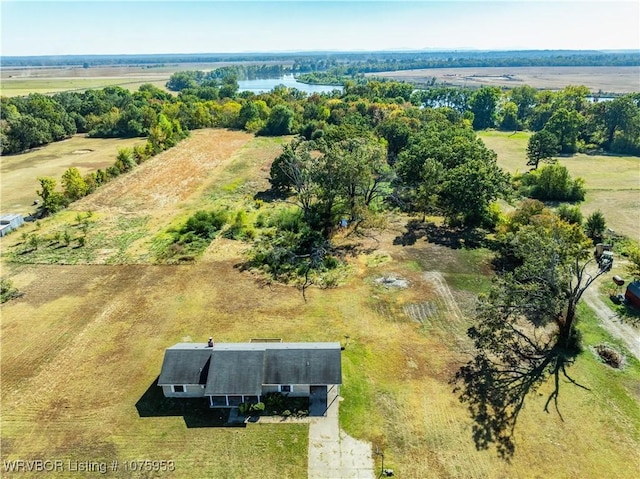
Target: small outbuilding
632,294
10,222
233,373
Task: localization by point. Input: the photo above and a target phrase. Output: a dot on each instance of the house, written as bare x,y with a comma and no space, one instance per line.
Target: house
232,373
9,223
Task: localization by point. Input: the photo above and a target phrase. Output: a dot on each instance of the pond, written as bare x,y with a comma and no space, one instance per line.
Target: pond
268,84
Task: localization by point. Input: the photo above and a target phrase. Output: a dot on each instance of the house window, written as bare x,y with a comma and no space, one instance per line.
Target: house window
285,388
178,389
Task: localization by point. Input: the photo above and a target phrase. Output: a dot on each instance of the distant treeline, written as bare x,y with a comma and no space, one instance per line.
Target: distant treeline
355,62
213,100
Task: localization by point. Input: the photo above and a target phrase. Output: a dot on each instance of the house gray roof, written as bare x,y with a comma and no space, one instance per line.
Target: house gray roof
185,366
302,366
235,372
242,368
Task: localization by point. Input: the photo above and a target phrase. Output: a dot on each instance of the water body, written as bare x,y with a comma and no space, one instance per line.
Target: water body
267,84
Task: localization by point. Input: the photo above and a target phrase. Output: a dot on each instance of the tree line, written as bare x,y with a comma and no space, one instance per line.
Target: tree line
381,61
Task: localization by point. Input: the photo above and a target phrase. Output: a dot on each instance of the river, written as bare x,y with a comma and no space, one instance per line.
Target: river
268,84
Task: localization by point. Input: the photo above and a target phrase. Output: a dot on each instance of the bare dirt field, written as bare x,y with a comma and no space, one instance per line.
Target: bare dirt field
606,79
82,348
20,172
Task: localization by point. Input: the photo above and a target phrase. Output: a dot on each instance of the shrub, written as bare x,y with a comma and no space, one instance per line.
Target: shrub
275,402
7,290
241,227
570,214
595,226
552,182
204,224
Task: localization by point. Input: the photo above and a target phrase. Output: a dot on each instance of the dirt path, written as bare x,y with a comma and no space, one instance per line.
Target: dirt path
624,332
332,452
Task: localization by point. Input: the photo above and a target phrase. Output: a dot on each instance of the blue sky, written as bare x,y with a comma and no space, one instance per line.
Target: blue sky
112,27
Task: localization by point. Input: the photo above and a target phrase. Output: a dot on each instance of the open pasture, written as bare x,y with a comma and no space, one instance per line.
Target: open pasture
82,348
612,181
606,79
48,80
20,172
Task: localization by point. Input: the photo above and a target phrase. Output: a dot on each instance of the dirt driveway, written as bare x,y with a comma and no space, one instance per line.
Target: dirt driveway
333,453
626,333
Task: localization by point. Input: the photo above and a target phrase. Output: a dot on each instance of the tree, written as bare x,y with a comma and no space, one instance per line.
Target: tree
362,170
280,121
468,189
52,200
74,184
525,331
622,114
509,121
525,99
595,226
295,169
565,125
542,146
483,106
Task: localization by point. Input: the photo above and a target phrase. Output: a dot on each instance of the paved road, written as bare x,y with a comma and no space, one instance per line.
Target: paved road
333,454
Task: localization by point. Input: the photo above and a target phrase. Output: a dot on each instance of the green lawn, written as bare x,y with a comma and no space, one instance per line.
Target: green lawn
612,181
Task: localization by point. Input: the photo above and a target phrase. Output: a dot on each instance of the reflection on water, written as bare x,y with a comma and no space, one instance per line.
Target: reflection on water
268,84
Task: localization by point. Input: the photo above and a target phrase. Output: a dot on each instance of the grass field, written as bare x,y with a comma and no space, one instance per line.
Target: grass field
82,348
606,79
612,182
22,81
20,172
18,87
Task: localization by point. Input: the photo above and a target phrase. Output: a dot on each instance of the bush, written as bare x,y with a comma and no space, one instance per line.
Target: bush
595,226
275,402
7,290
205,224
552,182
241,229
570,214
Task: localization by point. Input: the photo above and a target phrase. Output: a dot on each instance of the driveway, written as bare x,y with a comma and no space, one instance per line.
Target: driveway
333,454
622,331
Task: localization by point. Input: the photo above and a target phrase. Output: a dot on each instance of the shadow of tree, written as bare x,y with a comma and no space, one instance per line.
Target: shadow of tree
195,411
270,195
495,393
452,237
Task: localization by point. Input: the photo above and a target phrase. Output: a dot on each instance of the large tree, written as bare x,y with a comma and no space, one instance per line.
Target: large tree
542,146
484,102
525,333
565,125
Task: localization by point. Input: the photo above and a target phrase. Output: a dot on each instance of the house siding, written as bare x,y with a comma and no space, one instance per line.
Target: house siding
191,391
298,390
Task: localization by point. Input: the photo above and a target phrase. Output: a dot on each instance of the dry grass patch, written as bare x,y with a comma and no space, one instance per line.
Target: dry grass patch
607,79
84,346
20,172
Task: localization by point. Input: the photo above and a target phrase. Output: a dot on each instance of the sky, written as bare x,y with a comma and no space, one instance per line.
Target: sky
142,27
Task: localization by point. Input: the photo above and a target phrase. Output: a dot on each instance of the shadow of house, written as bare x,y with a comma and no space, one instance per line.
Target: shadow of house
195,411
